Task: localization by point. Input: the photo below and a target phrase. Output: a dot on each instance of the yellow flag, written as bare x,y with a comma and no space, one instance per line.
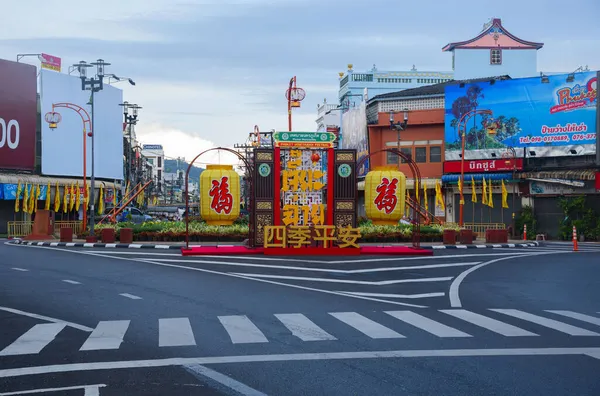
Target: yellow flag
65,199
19,189
126,192
114,201
72,197
101,201
473,192
407,200
439,199
484,193
425,202
48,194
56,198
504,196
416,190
32,201
38,192
490,199
86,197
78,198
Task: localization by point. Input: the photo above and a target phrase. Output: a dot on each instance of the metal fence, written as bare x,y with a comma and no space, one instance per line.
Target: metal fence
479,228
24,228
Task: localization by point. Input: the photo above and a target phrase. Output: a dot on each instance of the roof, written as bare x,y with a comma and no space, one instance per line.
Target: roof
431,90
494,35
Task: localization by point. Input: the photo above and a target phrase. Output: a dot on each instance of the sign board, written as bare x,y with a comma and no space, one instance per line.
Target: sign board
50,62
482,166
304,139
152,147
542,188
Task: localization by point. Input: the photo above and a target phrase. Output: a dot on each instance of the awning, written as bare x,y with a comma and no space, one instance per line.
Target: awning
477,177
15,178
410,183
579,174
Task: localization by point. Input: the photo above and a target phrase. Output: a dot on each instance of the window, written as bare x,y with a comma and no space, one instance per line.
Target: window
392,159
159,176
495,56
421,154
135,212
435,154
151,161
406,151
159,162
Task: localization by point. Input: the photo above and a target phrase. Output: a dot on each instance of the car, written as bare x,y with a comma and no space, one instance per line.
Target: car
130,214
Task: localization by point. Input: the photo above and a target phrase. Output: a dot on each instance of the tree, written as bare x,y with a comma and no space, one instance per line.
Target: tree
474,93
460,107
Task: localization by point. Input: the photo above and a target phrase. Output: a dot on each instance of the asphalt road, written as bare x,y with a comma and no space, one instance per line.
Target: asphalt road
464,322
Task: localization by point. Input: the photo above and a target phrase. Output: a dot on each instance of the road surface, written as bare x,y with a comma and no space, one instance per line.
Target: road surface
105,322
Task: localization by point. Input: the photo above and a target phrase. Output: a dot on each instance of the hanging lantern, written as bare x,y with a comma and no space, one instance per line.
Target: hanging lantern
53,118
315,157
219,195
385,195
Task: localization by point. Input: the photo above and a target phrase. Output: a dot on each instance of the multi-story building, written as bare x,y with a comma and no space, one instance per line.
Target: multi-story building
156,157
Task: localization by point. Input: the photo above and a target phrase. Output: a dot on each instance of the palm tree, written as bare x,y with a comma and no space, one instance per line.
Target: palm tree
474,93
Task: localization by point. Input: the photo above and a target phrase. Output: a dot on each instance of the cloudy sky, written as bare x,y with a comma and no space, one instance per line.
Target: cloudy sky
207,71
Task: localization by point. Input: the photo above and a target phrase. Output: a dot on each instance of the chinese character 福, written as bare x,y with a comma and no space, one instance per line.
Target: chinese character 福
222,200
386,195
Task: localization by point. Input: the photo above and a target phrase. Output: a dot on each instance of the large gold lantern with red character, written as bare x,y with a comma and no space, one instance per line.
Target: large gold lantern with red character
385,195
219,195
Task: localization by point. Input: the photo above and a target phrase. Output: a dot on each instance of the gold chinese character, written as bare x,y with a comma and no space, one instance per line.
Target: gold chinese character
291,215
316,184
314,214
294,164
325,234
274,237
296,153
297,236
291,180
348,236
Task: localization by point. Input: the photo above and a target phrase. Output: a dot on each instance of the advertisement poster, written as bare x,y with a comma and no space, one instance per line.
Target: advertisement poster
355,135
50,62
553,118
18,115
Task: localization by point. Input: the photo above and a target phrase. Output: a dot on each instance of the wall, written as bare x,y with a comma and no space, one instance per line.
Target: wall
426,126
475,63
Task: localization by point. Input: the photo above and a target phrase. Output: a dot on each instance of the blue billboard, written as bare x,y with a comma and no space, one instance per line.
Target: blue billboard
551,115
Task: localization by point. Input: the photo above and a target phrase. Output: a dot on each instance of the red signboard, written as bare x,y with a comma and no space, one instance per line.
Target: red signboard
481,166
18,114
597,181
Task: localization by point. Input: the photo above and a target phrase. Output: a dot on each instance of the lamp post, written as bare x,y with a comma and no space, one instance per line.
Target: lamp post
399,126
463,122
512,154
131,120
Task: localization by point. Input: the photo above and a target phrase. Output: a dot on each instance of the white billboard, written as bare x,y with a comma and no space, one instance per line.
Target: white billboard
62,148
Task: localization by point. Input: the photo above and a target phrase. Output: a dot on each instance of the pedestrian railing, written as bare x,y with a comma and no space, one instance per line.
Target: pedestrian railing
479,228
24,228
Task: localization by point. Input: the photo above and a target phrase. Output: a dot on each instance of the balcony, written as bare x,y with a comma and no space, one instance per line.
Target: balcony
324,108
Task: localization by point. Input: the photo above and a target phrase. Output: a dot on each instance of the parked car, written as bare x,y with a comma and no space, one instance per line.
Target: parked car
137,216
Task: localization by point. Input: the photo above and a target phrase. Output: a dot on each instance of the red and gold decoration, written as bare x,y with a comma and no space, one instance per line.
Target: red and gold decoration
219,195
385,193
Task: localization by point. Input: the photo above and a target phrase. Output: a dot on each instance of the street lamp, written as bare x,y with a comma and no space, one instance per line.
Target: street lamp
93,84
130,120
119,79
399,126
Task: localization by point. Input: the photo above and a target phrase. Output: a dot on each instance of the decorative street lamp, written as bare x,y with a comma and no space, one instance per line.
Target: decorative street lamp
399,126
130,120
93,84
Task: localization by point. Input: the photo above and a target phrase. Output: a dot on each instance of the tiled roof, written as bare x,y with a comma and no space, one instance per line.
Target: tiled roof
431,90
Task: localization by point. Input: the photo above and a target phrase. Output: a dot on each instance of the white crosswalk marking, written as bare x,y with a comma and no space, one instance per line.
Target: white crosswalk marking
429,325
304,328
175,332
550,323
34,340
107,335
488,323
365,325
241,330
578,316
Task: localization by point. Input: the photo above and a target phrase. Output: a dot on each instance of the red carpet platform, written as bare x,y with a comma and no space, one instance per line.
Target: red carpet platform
231,250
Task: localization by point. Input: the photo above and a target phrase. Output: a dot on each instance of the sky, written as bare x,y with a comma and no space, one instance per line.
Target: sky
208,71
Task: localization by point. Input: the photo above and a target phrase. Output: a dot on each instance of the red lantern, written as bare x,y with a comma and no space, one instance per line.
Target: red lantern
315,157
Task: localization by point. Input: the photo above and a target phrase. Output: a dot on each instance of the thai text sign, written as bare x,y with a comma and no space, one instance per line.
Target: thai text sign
50,62
304,139
480,166
304,236
549,115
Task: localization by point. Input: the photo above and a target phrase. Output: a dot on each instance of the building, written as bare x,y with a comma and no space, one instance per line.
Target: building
354,85
155,155
493,52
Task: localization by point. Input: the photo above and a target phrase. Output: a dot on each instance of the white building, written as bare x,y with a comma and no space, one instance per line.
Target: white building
156,157
328,116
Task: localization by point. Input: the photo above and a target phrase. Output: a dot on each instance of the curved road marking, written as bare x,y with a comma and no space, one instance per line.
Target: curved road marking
455,286
47,318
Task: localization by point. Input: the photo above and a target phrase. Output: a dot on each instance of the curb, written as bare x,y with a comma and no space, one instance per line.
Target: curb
494,246
95,245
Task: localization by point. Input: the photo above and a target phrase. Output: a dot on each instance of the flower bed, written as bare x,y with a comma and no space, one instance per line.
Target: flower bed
199,231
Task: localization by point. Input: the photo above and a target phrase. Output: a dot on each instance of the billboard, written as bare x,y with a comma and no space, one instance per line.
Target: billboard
62,148
550,116
355,135
50,62
18,115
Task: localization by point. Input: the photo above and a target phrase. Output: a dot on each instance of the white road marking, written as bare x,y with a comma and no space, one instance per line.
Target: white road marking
20,269
116,365
34,340
175,332
200,371
446,256
488,323
455,286
365,325
241,330
88,389
71,282
426,324
578,316
304,328
132,296
47,318
391,295
88,245
550,323
373,283
107,335
231,275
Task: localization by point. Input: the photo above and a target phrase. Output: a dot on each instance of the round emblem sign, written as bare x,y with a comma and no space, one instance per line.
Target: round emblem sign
324,137
285,136
264,170
344,170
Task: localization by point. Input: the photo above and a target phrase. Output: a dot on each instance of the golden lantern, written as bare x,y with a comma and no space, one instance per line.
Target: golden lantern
219,195
385,195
